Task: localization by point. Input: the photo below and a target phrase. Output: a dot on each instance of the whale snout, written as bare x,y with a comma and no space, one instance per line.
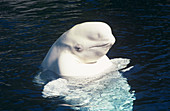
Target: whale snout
112,39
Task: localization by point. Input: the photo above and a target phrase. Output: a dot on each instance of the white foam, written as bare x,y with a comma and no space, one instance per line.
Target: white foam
107,92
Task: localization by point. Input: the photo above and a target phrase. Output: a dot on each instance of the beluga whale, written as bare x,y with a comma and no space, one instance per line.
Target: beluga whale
81,51
77,69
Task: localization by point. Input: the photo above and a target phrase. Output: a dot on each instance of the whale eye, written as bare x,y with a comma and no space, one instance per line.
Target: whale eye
78,48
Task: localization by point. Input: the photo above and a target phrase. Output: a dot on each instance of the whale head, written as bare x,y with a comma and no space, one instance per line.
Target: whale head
89,41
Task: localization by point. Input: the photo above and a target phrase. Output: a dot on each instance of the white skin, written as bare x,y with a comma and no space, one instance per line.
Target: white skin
81,51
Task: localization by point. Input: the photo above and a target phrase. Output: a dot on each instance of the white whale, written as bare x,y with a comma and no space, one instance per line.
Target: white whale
81,51
77,69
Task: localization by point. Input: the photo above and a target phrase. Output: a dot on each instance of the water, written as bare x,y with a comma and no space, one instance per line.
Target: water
107,92
29,28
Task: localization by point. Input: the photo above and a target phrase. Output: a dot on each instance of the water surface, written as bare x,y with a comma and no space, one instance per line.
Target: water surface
29,28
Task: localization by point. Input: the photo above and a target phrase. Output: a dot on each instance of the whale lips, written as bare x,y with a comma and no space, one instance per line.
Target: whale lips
102,45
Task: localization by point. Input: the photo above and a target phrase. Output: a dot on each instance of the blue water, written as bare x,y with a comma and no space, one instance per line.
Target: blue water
29,28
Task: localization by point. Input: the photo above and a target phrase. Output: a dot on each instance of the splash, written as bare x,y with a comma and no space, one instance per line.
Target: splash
109,92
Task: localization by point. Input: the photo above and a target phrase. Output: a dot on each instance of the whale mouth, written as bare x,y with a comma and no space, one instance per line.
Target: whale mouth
102,45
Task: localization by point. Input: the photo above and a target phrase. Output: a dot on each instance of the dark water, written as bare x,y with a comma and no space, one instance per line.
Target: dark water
28,28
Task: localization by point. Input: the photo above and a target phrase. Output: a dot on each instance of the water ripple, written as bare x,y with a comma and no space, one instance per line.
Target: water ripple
29,28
